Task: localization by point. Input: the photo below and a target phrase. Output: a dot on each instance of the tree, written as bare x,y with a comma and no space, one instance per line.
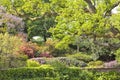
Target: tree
37,15
90,19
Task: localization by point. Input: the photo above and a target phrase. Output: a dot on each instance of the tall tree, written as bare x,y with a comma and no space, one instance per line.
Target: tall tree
37,15
88,18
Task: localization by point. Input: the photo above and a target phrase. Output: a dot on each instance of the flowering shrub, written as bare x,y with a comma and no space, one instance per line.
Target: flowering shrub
30,49
110,64
12,23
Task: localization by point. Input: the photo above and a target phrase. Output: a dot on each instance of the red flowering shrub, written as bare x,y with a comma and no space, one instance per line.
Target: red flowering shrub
29,49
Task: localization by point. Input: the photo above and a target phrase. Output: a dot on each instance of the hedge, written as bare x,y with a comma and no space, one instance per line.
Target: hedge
49,73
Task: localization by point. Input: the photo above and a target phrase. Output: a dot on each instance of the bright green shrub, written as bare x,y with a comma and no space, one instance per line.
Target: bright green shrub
81,56
47,73
51,73
9,56
9,44
32,63
95,64
107,76
26,73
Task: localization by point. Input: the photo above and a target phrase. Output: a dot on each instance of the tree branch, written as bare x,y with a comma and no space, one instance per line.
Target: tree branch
91,6
110,9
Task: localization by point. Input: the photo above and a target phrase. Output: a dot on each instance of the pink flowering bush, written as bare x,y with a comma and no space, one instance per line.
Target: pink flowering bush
110,64
29,49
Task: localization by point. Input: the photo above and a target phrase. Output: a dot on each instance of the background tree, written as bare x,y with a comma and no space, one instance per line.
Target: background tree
37,15
91,19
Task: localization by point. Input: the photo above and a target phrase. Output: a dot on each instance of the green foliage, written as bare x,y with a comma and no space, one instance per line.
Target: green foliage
9,44
50,47
55,63
82,57
88,24
9,56
118,55
94,64
50,73
32,63
107,76
78,20
62,62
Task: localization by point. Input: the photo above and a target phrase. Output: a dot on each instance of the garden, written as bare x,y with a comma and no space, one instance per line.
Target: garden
59,40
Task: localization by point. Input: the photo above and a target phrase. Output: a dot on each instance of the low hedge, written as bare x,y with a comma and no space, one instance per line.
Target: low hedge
50,73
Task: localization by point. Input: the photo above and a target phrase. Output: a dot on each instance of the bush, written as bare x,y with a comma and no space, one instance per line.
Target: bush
32,63
61,61
46,54
29,49
49,46
118,55
50,73
9,56
55,63
97,64
82,57
107,76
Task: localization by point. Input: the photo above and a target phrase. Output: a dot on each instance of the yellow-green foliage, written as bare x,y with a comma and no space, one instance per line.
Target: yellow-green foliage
9,57
81,56
32,63
48,73
95,64
118,55
9,44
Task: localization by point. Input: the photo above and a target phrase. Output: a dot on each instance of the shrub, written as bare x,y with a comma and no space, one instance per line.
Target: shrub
118,55
95,64
32,63
51,73
29,49
9,22
61,61
9,57
107,76
49,46
111,64
55,63
82,56
46,54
